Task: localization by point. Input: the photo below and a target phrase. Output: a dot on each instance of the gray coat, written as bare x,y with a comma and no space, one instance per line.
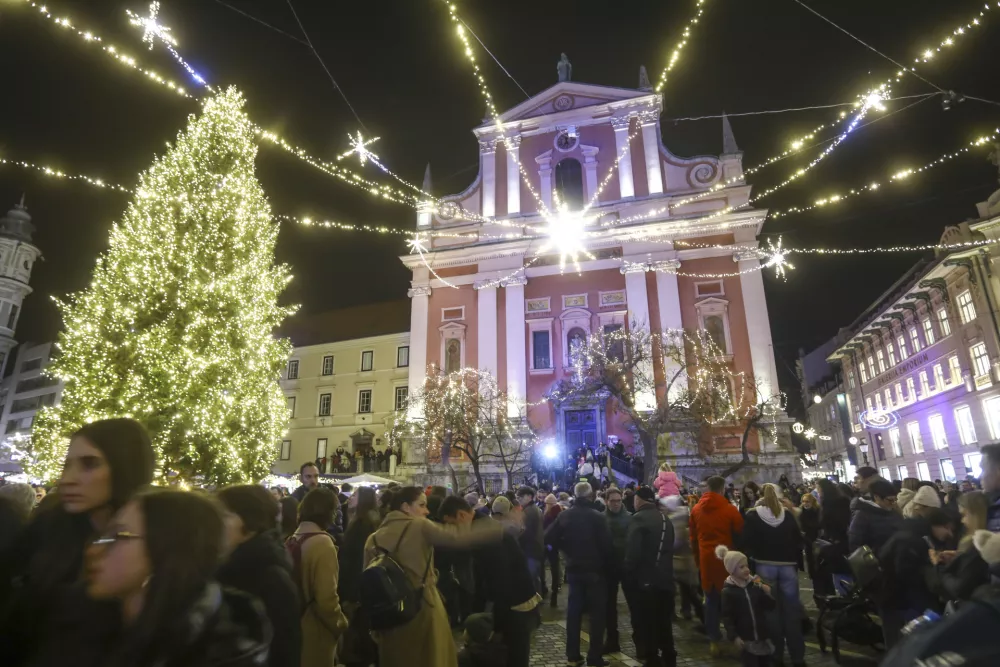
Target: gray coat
649,549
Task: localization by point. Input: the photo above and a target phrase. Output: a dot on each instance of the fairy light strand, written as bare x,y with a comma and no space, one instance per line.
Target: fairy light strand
685,35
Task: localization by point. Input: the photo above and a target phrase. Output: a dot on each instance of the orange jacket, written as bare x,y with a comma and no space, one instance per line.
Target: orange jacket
714,521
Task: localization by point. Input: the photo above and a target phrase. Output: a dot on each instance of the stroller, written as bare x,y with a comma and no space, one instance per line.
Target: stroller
846,602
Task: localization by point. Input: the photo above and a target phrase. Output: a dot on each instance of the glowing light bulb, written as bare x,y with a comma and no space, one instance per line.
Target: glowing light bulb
565,234
777,257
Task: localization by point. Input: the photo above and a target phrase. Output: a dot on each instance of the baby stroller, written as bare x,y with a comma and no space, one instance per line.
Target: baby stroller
849,611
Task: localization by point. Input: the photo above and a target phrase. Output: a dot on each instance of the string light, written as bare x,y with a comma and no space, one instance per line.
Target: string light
359,147
777,257
685,35
154,30
56,173
111,50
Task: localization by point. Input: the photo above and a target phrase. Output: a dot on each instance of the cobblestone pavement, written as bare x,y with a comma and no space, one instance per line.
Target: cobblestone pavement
549,641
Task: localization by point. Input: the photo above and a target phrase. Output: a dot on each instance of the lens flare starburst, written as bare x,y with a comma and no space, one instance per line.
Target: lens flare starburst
154,30
565,234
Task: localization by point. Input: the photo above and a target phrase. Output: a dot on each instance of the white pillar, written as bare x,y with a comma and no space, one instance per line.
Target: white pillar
487,326
544,162
590,171
419,296
669,300
487,149
758,327
651,149
638,311
517,355
513,175
626,184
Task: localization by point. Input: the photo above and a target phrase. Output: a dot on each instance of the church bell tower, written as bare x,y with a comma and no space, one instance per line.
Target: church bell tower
17,257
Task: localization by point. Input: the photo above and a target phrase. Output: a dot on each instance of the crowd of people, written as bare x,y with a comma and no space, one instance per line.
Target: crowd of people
113,571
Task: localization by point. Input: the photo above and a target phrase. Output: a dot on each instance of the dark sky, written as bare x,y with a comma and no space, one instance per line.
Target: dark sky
400,65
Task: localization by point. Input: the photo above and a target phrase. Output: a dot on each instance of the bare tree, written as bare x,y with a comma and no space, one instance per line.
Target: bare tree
675,381
466,412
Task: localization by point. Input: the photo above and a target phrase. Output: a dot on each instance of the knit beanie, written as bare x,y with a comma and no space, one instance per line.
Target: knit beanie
988,545
730,558
926,496
479,628
501,505
551,500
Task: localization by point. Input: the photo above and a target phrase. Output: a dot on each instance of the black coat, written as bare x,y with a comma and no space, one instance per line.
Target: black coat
964,574
501,574
743,612
261,567
910,579
872,526
835,518
773,544
649,549
582,533
809,522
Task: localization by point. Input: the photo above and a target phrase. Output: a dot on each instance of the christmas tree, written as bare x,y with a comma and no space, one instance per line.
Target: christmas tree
176,328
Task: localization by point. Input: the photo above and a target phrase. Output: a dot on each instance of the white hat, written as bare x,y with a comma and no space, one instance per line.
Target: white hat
988,545
730,558
926,496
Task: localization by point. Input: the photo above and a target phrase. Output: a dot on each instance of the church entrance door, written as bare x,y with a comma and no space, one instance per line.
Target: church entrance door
581,429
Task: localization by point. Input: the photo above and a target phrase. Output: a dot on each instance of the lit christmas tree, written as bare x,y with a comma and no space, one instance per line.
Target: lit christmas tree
176,328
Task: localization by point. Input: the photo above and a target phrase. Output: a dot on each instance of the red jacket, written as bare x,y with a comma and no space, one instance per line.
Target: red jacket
714,521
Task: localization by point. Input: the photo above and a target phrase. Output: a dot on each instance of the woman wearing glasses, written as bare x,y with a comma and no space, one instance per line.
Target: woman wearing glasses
156,563
106,463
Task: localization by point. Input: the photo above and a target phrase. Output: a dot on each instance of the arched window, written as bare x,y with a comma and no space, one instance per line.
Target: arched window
717,331
569,183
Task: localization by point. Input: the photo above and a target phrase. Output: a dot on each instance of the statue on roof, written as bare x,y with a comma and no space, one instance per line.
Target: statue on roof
565,68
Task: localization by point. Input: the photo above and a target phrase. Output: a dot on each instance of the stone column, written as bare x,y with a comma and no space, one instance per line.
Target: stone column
669,300
638,313
513,175
487,149
626,184
419,297
487,325
517,387
544,162
590,172
758,327
651,149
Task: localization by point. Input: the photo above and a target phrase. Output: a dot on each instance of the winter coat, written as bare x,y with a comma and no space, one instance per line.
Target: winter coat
872,526
809,523
323,619
835,518
963,575
550,515
771,539
667,484
533,538
910,579
685,571
300,492
501,574
260,567
583,535
618,524
903,498
743,611
714,521
649,551
425,641
357,646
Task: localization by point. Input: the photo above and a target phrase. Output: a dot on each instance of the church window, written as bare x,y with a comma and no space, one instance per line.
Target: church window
452,355
716,330
577,343
569,183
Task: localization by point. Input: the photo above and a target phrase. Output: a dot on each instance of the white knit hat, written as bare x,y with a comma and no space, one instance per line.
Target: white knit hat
730,558
988,545
926,496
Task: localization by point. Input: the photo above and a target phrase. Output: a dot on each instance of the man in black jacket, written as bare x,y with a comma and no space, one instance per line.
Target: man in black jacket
875,520
649,565
502,577
583,535
309,476
531,539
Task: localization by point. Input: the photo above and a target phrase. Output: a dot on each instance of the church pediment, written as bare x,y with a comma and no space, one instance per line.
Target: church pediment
570,96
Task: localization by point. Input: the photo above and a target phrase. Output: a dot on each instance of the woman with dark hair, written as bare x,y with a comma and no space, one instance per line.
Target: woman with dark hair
106,463
426,640
358,649
749,495
323,620
258,564
834,521
289,516
156,562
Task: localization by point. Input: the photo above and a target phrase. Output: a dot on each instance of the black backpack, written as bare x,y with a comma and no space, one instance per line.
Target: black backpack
387,595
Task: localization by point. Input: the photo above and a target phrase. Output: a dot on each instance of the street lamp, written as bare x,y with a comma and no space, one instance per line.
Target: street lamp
817,399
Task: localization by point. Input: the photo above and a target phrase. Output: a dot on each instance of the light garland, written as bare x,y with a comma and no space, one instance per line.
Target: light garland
154,30
685,35
56,173
359,147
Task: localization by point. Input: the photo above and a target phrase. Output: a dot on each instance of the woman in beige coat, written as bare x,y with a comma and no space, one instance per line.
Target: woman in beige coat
323,621
426,641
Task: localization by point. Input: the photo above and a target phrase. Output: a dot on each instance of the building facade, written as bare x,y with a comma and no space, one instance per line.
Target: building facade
17,258
920,366
339,395
828,415
487,294
26,390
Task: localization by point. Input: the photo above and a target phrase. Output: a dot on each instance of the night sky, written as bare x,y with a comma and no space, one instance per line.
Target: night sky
400,65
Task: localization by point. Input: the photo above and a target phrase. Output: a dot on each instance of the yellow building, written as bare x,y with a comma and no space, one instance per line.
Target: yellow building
341,385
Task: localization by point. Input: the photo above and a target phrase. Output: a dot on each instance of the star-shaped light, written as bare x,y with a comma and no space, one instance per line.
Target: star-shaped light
359,147
416,245
778,258
565,234
810,433
154,29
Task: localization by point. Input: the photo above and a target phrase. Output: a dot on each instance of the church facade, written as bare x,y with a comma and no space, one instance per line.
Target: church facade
486,292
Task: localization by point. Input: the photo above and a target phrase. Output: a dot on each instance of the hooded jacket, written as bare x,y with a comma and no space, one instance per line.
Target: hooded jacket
771,539
667,484
714,521
583,535
261,568
743,610
872,526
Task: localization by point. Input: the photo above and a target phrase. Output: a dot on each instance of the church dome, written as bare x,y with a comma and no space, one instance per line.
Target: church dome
17,223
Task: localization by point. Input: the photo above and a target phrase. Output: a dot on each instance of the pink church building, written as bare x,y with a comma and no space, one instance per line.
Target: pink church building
486,295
